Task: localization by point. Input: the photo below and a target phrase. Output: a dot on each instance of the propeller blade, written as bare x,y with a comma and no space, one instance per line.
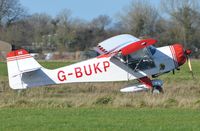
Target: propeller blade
190,66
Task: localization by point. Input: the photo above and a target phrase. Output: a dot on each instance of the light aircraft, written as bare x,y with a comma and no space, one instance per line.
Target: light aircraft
122,58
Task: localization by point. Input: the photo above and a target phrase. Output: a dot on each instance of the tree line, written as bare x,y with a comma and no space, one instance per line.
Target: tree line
174,21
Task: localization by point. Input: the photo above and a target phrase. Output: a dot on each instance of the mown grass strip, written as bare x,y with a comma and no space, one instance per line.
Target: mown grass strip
99,119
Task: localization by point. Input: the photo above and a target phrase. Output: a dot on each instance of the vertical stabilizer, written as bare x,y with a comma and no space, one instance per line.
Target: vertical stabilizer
19,62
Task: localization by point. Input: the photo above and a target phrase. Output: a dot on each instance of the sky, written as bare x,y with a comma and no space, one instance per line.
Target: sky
84,9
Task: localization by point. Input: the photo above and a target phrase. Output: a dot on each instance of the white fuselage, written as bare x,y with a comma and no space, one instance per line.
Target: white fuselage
103,69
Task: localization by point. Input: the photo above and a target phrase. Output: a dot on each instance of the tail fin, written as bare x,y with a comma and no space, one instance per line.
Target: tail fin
18,63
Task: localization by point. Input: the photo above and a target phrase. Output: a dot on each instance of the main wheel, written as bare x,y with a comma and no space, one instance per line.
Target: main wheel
157,90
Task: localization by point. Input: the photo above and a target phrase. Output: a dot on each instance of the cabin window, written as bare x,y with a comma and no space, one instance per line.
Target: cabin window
140,60
152,49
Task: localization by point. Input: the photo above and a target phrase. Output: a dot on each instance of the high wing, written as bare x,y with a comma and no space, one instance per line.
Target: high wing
124,44
115,43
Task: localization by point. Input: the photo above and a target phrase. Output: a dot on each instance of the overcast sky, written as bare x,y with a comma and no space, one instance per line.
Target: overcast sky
84,9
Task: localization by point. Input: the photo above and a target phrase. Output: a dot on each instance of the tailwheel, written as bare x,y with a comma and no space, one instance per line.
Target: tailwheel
157,90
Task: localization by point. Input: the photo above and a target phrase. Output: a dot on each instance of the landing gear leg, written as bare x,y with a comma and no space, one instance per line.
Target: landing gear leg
157,90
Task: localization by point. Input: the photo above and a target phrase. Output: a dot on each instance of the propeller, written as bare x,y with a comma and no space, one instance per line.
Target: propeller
187,53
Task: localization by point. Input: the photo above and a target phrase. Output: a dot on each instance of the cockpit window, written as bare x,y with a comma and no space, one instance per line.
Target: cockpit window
140,60
152,49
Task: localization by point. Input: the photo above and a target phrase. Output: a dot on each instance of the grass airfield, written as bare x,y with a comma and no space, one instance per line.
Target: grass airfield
100,106
100,118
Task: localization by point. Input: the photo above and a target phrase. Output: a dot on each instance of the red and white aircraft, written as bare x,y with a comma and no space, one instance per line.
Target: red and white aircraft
122,58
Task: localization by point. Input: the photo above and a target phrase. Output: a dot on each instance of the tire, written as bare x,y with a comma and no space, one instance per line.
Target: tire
157,90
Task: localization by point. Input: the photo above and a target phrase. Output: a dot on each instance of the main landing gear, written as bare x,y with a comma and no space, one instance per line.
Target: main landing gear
157,90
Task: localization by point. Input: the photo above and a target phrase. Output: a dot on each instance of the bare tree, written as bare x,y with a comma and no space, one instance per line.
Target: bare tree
140,18
185,19
65,32
101,22
10,11
18,33
42,29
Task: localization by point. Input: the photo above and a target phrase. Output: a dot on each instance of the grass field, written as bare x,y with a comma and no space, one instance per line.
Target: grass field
100,106
100,119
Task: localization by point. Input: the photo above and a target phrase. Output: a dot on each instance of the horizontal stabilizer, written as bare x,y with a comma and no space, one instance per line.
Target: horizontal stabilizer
26,71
